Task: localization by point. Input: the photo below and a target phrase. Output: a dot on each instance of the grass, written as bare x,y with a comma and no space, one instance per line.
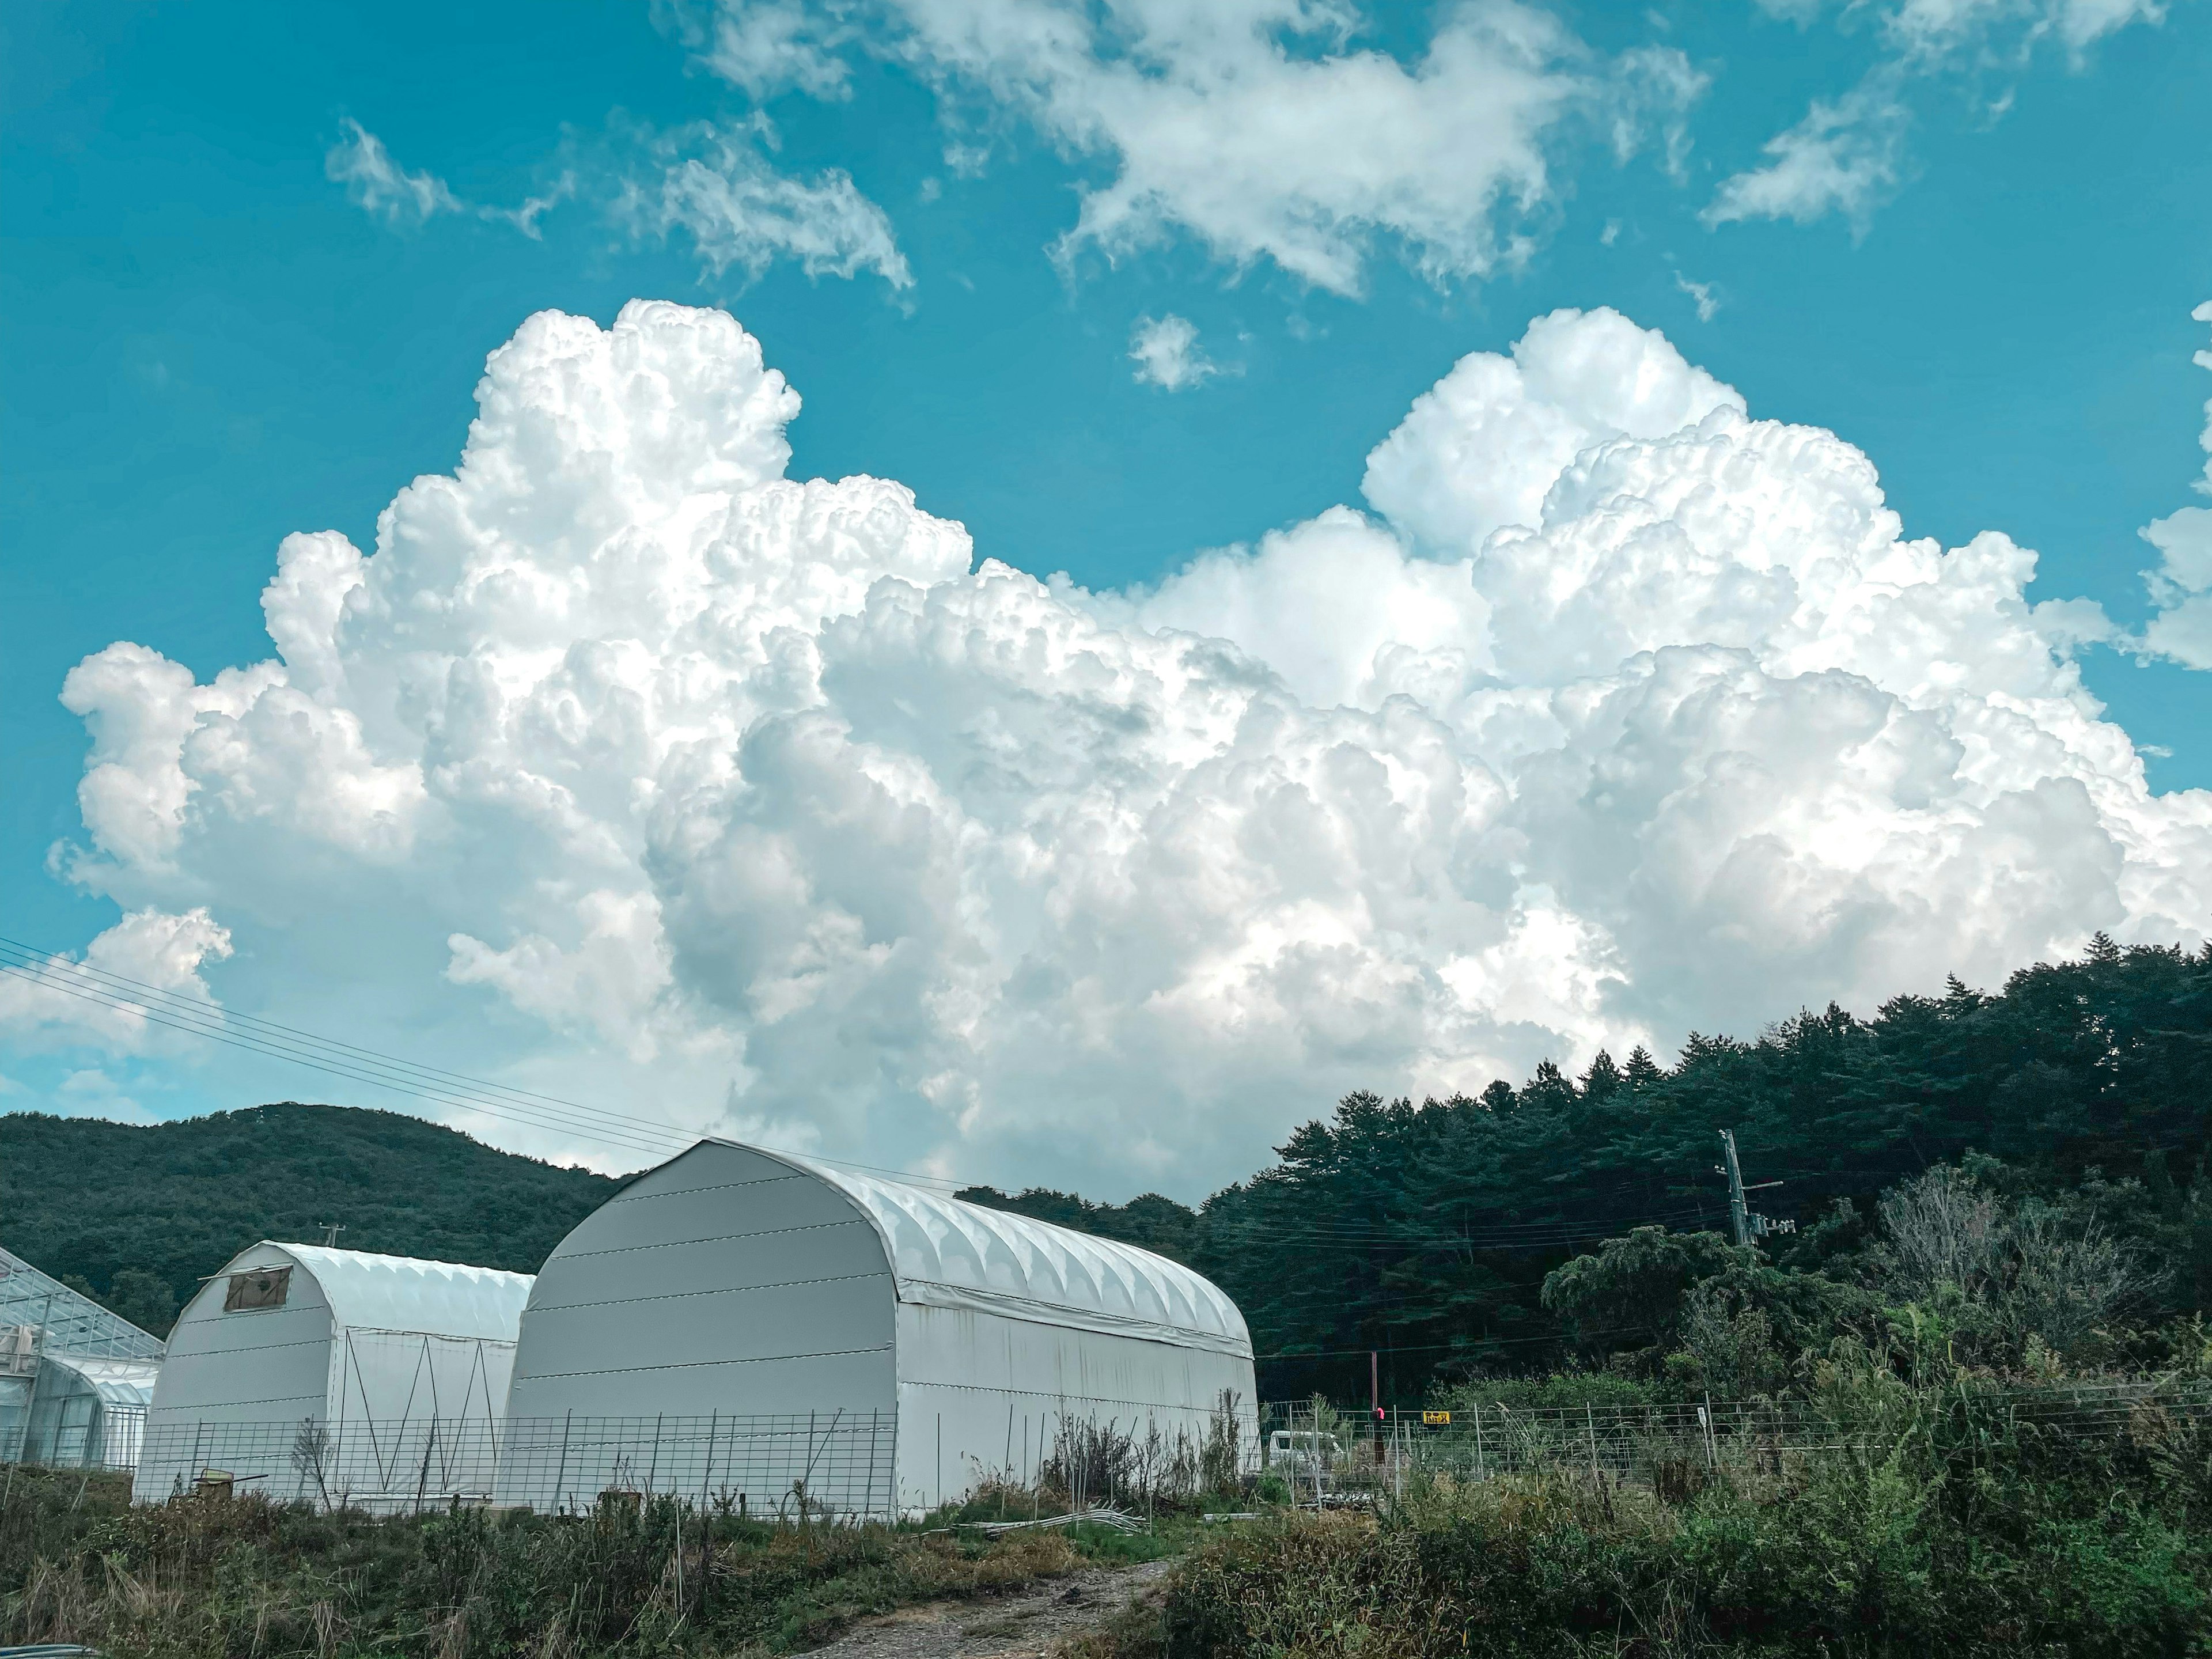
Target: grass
200,1578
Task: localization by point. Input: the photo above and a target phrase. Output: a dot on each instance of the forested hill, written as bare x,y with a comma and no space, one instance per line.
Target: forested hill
1424,1231
101,1202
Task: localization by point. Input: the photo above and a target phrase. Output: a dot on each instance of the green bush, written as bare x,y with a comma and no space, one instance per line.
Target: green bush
1942,1518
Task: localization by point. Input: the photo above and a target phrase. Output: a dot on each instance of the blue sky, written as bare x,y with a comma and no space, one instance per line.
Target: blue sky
213,338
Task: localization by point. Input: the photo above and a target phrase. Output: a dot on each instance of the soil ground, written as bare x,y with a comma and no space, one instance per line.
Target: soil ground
1022,1625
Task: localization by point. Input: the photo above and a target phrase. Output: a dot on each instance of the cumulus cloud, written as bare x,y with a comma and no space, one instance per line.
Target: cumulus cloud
1254,126
714,184
1849,155
2181,584
63,1002
1630,714
1166,353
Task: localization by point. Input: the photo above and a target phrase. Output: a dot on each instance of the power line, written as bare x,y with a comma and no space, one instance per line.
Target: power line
275,1041
655,1145
1504,1235
219,1025
1435,1347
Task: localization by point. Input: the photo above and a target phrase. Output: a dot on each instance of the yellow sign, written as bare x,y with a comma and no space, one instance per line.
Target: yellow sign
1435,1417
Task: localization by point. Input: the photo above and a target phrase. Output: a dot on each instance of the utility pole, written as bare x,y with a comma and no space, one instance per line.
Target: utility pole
1746,1225
1739,1210
331,1231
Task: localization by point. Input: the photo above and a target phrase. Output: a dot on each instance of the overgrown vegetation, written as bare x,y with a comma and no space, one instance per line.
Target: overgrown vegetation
1970,1456
1954,1533
1994,1230
223,1577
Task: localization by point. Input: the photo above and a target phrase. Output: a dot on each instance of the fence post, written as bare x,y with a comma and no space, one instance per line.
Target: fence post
1480,1474
713,1423
561,1477
875,1428
1590,1417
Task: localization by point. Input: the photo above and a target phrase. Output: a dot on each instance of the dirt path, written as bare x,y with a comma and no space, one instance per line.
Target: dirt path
1023,1625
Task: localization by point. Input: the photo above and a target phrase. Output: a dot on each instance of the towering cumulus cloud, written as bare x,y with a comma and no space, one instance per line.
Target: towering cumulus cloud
1630,714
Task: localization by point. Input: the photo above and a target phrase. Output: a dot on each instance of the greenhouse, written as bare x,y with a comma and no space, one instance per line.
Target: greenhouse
302,1371
762,1328
75,1379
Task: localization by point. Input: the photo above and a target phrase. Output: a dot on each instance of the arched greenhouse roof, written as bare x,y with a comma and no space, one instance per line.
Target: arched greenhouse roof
117,1382
949,1252
368,1292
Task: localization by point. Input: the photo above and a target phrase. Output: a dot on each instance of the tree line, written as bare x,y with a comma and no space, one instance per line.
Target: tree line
1425,1232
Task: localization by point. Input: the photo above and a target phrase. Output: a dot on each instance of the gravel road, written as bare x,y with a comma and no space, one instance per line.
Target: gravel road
1023,1625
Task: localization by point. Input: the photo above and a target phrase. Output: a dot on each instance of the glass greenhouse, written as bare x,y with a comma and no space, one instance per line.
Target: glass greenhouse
75,1380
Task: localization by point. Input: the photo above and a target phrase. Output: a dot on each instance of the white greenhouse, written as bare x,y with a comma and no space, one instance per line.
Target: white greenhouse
743,1324
338,1376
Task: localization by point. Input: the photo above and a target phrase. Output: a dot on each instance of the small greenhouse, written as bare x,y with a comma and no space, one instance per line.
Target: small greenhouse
748,1326
302,1371
75,1379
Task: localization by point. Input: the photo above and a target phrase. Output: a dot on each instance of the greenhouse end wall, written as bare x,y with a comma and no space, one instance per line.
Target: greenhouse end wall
367,1379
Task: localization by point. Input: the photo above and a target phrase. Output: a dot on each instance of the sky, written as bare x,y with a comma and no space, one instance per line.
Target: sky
1139,566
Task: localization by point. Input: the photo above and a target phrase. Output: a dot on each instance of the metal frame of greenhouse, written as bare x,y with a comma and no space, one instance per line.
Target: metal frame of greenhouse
75,1379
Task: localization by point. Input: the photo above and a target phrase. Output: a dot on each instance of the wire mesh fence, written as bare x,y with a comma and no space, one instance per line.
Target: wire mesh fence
1326,1453
823,1464
840,1464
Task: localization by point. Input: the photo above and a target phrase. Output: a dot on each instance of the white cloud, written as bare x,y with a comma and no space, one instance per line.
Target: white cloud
1482,449
1702,295
379,185
62,1001
1939,28
2181,584
92,1093
1845,157
1165,351
1253,125
768,47
1849,155
714,184
1633,714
